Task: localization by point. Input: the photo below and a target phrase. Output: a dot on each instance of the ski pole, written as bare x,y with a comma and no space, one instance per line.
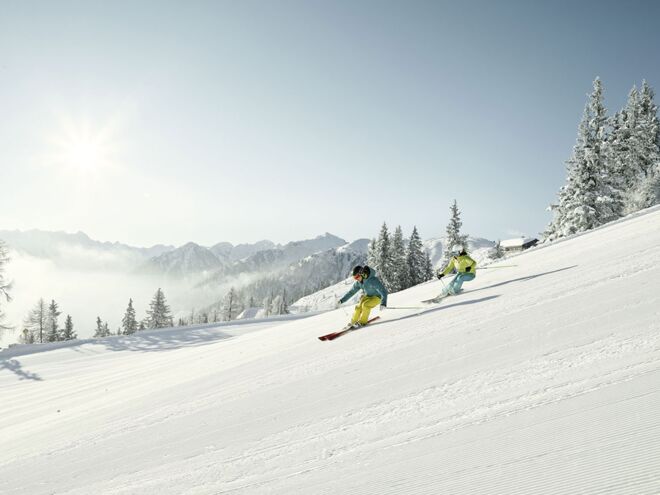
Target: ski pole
491,267
405,307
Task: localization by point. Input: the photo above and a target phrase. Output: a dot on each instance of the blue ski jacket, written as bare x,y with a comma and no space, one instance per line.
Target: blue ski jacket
371,286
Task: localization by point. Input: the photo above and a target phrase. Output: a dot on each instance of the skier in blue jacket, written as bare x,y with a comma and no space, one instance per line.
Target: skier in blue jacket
374,293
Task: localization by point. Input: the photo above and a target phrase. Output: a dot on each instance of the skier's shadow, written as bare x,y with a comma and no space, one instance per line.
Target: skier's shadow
443,307
524,279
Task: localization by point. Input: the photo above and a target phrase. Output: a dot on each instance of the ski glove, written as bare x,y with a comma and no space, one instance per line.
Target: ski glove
440,275
468,269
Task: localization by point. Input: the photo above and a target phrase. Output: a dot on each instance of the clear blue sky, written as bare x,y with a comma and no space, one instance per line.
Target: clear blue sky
149,122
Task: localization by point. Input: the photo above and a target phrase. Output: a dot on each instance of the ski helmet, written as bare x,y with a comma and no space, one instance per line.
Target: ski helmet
361,271
456,249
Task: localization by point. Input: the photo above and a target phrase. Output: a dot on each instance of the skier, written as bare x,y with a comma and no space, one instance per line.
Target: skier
374,294
465,267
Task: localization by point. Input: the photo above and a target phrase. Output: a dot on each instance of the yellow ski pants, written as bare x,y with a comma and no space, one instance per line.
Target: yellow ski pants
363,308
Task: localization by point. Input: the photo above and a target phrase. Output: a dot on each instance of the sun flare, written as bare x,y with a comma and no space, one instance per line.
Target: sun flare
83,149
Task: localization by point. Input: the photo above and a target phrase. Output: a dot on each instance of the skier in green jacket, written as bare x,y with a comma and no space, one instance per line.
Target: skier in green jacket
465,267
374,293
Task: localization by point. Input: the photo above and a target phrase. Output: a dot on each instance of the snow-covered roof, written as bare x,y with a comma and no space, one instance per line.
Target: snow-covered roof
517,242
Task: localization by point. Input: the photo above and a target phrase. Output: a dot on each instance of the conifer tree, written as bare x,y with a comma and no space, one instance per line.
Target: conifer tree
382,257
588,199
622,149
400,276
52,322
279,305
647,192
98,332
267,304
453,233
36,321
231,305
428,266
129,323
26,337
497,251
4,285
158,314
68,333
416,259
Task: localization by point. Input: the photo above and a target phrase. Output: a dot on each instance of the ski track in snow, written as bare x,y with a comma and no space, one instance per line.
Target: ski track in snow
543,378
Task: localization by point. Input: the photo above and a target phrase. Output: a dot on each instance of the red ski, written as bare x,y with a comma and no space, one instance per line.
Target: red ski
334,335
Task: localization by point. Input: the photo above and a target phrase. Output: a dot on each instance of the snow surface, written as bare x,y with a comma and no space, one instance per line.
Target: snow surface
543,378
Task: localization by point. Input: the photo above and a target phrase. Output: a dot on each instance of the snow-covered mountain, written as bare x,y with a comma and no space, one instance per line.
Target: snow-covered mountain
305,276
542,378
78,250
275,259
188,259
227,252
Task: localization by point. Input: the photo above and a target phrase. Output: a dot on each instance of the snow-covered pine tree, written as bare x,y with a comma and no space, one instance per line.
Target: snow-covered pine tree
53,323
275,305
428,266
279,305
36,321
4,285
647,192
68,333
129,322
415,259
26,337
383,257
497,252
230,305
453,233
372,255
400,277
267,304
98,332
588,199
158,314
621,151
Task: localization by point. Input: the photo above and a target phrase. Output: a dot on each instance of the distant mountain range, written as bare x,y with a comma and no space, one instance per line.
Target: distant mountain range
212,264
299,268
79,251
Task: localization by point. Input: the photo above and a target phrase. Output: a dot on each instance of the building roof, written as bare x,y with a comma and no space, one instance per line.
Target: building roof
518,242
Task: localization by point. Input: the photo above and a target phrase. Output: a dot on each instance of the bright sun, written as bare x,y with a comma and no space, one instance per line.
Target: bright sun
83,149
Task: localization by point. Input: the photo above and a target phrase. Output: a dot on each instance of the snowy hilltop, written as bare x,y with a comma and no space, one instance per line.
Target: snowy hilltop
541,378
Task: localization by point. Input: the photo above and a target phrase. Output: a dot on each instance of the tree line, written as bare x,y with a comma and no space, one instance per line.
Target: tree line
42,324
399,263
615,166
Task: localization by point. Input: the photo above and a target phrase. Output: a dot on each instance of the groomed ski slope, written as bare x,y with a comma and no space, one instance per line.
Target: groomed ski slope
543,378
